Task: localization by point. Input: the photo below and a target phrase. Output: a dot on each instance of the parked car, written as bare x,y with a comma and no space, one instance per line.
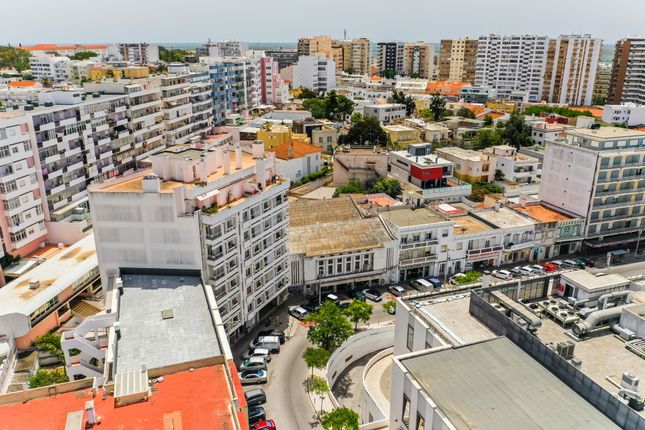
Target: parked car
275,332
548,267
255,397
257,413
298,312
502,274
272,343
436,283
557,263
537,268
587,261
453,279
421,285
253,377
309,307
571,264
372,294
332,298
396,290
526,270
265,425
358,295
580,262
257,352
253,363
344,305
516,271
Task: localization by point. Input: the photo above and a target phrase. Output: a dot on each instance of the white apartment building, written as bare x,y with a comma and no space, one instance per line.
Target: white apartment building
627,81
201,93
274,89
597,174
178,109
50,68
629,114
517,168
220,209
138,53
512,64
542,131
315,73
570,73
232,48
22,221
385,112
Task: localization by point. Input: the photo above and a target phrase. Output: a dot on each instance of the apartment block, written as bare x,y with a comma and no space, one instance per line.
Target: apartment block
200,94
627,84
570,72
274,89
219,208
138,53
314,72
512,65
178,110
44,49
418,60
596,174
316,45
232,48
385,112
22,224
390,57
50,68
457,60
356,54
284,57
601,86
628,114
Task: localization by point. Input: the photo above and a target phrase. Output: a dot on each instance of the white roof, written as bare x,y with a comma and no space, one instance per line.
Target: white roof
54,275
590,282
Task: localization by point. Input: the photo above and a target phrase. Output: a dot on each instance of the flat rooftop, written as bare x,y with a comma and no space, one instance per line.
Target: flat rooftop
468,225
590,282
410,217
495,385
450,315
53,277
607,133
188,400
164,320
543,213
504,218
465,154
306,212
397,128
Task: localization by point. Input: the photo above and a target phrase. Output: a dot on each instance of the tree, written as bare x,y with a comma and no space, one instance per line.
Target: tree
337,107
43,378
356,117
387,74
389,306
406,100
488,121
14,58
558,110
391,187
49,342
172,55
354,186
368,130
330,329
485,138
306,93
517,132
315,358
358,311
316,107
84,55
480,189
437,106
464,112
499,175
318,386
340,419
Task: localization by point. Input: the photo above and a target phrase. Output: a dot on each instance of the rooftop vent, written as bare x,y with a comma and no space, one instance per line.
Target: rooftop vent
34,285
167,314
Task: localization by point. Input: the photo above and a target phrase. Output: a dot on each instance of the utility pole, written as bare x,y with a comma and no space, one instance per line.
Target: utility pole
638,242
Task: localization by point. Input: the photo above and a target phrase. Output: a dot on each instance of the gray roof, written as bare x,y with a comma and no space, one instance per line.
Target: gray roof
148,338
495,385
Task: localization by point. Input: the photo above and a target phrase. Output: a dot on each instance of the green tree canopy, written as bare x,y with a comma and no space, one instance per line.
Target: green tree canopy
315,358
488,120
359,311
406,100
480,189
316,107
330,329
84,55
485,138
437,106
464,112
387,74
558,110
368,130
319,386
340,419
391,187
43,378
332,106
516,131
354,186
14,58
306,93
356,117
172,55
49,342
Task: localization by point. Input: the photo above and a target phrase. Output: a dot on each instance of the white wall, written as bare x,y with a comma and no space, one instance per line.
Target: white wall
297,168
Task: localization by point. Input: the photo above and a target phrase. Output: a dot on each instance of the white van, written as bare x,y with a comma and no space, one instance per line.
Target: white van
272,343
422,284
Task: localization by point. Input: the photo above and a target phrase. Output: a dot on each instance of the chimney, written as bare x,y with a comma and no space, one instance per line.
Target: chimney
238,156
227,162
202,169
260,173
258,149
290,151
151,184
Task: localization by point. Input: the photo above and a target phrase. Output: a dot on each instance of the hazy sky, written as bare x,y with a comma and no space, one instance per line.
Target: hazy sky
69,21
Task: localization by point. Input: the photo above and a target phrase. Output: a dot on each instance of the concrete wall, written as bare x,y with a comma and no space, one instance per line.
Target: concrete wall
407,323
633,319
370,411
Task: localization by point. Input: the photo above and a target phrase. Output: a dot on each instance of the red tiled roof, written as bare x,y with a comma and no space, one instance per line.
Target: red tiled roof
185,400
23,83
300,149
445,88
53,47
596,112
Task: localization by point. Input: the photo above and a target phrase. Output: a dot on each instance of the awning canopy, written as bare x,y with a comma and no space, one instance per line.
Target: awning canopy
207,195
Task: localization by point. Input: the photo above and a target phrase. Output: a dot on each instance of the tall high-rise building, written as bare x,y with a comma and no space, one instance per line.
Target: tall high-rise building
418,60
601,85
570,71
219,208
273,88
513,65
361,55
457,60
138,53
316,45
314,72
390,57
627,84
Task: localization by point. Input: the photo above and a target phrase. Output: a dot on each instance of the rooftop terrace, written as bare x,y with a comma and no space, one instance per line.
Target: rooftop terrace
504,218
469,225
411,217
543,213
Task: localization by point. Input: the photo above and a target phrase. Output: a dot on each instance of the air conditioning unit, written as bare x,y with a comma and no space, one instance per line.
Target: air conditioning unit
630,381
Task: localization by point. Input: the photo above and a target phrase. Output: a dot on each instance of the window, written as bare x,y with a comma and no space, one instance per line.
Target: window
410,339
421,423
405,415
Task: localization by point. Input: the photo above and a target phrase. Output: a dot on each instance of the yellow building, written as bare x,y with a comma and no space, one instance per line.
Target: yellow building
98,73
277,134
501,106
400,136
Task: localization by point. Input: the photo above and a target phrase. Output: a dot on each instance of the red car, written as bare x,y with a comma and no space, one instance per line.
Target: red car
549,267
265,425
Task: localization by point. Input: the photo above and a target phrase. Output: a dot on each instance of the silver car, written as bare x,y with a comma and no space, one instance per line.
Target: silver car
253,363
253,377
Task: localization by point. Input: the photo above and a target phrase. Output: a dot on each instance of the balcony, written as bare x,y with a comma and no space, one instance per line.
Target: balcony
422,244
419,260
517,246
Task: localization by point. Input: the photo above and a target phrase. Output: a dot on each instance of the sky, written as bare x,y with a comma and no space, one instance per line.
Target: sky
187,21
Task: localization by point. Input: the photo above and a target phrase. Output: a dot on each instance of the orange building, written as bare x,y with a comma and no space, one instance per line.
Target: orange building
445,88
